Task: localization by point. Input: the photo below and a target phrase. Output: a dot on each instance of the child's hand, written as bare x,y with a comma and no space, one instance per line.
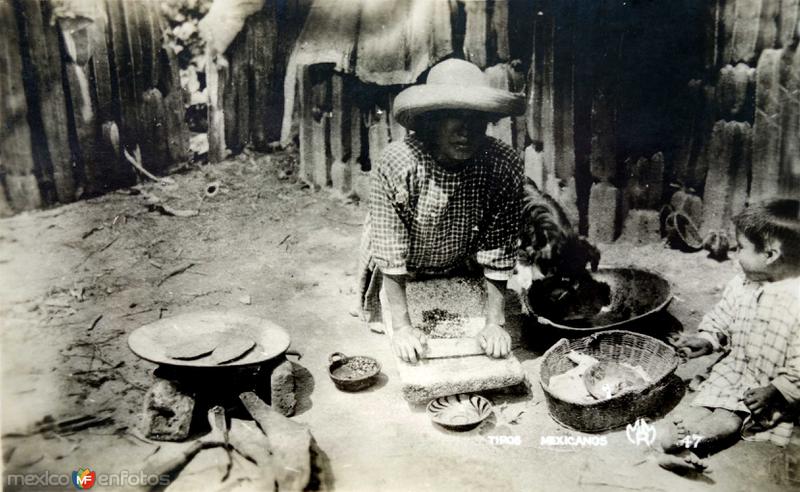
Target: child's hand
759,399
692,346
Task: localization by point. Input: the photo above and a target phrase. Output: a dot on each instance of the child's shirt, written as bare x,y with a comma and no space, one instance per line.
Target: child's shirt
759,322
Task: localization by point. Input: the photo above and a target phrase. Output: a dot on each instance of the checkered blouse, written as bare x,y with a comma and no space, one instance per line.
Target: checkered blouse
761,323
425,219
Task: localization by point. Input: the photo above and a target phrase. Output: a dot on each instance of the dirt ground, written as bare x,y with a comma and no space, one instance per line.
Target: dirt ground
78,279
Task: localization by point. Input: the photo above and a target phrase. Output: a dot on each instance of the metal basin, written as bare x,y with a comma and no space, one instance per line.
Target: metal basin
631,295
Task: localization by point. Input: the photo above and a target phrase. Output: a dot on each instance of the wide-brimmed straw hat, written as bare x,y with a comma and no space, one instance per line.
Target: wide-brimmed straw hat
455,84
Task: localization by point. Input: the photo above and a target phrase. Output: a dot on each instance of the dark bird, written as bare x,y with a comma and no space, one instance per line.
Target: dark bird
549,245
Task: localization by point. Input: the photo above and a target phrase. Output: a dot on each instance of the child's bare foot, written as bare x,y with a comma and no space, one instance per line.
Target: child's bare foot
682,463
672,437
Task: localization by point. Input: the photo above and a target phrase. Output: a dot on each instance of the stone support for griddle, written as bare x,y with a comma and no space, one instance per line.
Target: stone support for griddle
167,413
282,388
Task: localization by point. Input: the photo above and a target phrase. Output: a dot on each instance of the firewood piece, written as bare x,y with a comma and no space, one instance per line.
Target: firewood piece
321,111
745,30
16,151
153,46
475,36
290,444
604,210
767,129
790,123
727,21
341,126
641,227
361,185
378,133
100,64
216,80
548,117
235,96
789,18
499,77
133,27
175,128
263,30
304,85
498,47
396,130
248,440
713,34
45,57
726,183
768,25
603,160
563,89
646,183
735,89
167,413
154,130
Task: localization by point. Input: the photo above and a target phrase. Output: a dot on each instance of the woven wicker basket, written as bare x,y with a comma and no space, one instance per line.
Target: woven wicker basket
655,357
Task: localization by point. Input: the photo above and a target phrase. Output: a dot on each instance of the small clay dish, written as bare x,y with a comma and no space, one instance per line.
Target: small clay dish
353,373
459,412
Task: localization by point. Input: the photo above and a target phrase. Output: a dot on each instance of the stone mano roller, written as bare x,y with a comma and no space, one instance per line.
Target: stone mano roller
440,348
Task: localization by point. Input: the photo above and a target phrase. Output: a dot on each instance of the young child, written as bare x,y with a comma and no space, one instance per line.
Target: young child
755,389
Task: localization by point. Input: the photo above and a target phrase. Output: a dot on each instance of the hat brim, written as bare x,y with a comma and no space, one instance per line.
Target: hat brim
420,99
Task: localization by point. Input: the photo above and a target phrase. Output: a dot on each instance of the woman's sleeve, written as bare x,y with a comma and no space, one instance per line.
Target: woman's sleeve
497,251
388,203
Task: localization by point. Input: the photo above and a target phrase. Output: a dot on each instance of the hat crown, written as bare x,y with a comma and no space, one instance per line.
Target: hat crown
457,72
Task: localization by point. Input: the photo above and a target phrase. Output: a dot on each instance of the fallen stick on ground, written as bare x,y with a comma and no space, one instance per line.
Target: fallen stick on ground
65,426
136,161
173,272
167,210
94,323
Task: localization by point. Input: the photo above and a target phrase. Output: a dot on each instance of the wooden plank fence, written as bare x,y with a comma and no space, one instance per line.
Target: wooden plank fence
613,118
73,98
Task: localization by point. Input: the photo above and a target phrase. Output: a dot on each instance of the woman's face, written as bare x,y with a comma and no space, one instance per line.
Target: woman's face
459,134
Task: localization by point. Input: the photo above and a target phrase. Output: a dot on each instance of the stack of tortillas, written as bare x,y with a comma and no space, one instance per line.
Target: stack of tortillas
207,339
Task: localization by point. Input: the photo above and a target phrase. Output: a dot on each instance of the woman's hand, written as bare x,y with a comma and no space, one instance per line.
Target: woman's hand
693,346
409,343
495,341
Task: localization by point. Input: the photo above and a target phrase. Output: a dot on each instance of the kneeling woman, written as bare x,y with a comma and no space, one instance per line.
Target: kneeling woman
445,195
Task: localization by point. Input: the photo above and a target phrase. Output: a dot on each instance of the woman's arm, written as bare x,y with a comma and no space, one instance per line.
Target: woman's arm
494,338
408,342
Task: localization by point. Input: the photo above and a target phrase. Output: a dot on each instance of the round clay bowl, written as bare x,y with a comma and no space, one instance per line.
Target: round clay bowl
342,373
459,412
